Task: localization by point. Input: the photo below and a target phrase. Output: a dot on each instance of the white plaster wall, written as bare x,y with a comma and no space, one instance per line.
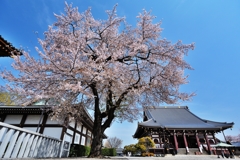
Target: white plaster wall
31,128
72,124
155,135
83,140
68,138
33,119
89,133
13,119
53,132
70,131
77,138
84,130
79,127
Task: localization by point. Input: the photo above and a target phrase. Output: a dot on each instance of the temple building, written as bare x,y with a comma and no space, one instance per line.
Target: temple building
37,118
177,129
6,48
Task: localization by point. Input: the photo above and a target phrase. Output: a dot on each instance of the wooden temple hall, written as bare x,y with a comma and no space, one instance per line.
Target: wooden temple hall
177,130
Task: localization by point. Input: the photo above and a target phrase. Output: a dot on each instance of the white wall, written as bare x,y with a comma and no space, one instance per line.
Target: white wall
31,128
33,119
77,138
69,131
72,124
79,127
53,132
83,140
89,133
68,138
13,119
84,130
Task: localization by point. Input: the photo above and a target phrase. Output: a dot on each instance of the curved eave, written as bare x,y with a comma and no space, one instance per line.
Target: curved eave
147,124
209,126
151,123
200,127
139,131
223,125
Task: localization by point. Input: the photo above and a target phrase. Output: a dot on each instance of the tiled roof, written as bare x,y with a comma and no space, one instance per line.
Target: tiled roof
179,118
6,48
236,144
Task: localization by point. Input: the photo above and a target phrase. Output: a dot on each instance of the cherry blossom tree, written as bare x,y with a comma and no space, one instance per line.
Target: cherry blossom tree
107,66
233,138
113,142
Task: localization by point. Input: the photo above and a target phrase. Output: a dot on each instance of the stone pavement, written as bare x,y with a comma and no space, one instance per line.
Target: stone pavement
168,157
181,157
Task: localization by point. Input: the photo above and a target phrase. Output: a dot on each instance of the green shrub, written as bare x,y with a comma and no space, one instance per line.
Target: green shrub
109,152
77,150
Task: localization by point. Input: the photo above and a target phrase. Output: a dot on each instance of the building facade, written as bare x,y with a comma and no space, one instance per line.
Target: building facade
176,128
36,118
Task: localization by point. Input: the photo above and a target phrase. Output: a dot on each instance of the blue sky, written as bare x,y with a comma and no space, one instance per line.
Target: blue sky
214,27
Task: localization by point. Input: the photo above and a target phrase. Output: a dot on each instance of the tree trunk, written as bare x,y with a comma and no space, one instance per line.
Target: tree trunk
96,145
99,128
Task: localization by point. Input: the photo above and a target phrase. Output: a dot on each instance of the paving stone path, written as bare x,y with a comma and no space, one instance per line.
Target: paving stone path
168,157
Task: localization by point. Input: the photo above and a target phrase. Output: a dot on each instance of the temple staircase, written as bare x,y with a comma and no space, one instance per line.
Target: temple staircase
181,151
192,151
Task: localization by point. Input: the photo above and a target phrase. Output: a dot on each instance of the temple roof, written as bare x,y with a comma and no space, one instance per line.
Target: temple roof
6,48
236,144
178,118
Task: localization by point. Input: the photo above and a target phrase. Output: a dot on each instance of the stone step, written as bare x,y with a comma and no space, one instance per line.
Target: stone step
192,151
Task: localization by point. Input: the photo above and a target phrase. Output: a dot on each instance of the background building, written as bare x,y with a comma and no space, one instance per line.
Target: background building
177,129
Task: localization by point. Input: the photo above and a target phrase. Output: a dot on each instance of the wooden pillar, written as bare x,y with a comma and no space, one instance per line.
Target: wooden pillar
175,140
163,137
81,134
150,133
43,123
64,129
208,144
40,121
198,143
185,142
160,142
2,117
160,139
23,120
74,131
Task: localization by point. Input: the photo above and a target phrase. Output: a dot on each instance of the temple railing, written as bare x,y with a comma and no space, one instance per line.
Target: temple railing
17,142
